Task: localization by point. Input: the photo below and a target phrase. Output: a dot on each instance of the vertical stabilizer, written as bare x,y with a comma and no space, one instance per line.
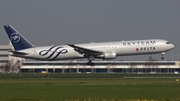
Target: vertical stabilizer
17,40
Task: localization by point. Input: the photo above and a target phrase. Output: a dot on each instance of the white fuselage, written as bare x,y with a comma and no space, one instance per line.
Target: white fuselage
121,48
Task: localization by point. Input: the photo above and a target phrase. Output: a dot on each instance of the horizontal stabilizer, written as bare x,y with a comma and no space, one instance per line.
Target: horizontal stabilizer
18,53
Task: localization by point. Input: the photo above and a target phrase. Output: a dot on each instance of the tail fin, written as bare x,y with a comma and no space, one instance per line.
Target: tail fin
17,40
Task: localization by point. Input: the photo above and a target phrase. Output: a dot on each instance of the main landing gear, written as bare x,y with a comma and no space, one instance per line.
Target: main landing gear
90,61
162,57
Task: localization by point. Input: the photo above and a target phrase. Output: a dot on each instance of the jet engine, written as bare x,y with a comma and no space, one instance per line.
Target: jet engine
108,55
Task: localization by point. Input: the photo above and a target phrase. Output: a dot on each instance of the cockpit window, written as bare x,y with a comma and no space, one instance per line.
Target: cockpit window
168,42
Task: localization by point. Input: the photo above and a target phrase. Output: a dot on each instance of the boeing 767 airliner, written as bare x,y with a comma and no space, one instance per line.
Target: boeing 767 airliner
104,50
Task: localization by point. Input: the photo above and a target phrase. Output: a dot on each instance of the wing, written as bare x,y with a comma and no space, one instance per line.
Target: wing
82,50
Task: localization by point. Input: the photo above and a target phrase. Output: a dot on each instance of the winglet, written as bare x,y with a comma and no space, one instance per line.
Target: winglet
17,40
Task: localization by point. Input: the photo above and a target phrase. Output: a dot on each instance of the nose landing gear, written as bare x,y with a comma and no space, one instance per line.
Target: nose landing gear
162,57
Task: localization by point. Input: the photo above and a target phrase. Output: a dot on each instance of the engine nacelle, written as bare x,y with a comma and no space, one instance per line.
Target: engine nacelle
109,55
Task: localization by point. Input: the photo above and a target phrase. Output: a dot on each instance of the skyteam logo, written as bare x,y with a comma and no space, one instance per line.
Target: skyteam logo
15,37
53,52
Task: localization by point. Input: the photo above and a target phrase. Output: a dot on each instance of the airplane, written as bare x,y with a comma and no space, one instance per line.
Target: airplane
102,50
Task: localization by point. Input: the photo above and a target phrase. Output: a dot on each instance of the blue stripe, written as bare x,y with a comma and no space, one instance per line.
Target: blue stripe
63,51
53,52
47,51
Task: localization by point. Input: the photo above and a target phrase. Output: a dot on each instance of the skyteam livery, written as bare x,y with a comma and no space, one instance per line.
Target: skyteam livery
104,50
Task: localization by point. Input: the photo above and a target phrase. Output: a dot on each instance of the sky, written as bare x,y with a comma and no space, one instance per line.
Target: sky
57,22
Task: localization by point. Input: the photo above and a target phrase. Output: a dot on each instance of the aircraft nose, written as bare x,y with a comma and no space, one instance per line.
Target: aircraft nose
171,46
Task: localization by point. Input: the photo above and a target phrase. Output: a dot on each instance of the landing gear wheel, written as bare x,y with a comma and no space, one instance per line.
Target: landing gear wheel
90,63
162,58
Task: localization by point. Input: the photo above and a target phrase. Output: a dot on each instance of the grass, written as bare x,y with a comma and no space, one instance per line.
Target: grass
87,87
